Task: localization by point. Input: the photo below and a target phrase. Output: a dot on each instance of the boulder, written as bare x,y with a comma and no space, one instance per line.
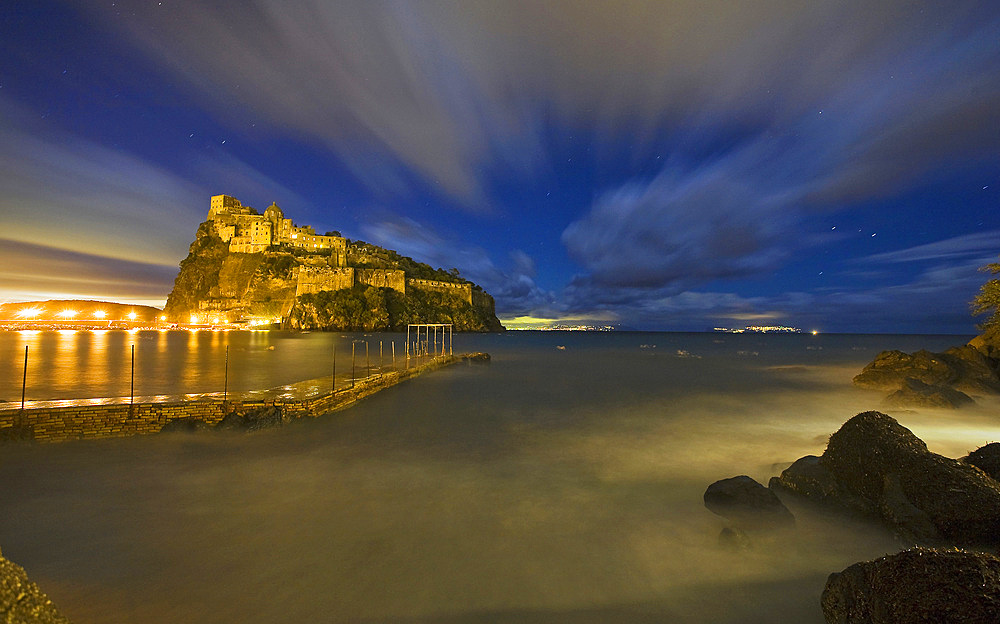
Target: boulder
925,497
917,585
809,478
22,601
748,504
915,393
987,459
988,343
478,357
962,368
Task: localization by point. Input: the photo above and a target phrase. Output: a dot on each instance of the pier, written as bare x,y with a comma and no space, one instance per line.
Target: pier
55,421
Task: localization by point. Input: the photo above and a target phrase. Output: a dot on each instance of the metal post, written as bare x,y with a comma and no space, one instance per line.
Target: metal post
24,376
333,382
407,341
131,389
352,363
380,361
451,340
368,363
393,355
225,387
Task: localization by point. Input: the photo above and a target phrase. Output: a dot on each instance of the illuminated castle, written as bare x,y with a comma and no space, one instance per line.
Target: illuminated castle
247,231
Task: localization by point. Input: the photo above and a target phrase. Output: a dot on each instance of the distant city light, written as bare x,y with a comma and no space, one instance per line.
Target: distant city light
68,313
100,314
163,318
131,316
194,319
815,331
29,312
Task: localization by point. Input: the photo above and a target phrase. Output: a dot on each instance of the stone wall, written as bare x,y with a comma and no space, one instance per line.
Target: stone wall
463,291
315,279
383,278
56,424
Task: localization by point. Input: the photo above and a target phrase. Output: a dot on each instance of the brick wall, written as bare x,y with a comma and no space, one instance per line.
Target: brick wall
113,421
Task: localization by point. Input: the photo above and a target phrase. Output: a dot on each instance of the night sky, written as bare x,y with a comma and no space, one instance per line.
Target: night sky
674,165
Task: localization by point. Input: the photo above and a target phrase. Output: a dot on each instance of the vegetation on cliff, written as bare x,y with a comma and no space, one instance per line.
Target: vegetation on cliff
988,299
368,308
198,274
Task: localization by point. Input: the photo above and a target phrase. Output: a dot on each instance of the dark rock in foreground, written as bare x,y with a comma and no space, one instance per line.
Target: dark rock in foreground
915,393
924,496
917,585
810,478
747,504
22,601
987,459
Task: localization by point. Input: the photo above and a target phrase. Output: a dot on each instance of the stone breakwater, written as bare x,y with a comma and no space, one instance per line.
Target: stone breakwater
56,424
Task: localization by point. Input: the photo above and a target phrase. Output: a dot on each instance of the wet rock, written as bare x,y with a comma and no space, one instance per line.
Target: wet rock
808,477
187,425
878,460
21,600
254,419
916,585
961,368
477,357
747,504
265,417
987,459
915,393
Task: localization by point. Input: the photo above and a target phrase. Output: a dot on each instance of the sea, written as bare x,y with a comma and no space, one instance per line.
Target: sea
561,482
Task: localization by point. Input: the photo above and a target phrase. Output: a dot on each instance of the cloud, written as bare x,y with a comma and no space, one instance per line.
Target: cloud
513,288
67,192
458,93
31,271
969,246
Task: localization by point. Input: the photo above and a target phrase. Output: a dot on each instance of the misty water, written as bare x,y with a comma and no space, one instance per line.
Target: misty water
553,485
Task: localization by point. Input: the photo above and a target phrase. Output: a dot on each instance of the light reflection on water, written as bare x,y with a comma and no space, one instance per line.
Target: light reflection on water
550,486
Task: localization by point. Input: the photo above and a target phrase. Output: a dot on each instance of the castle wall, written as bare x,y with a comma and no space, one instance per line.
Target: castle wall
315,279
463,291
383,278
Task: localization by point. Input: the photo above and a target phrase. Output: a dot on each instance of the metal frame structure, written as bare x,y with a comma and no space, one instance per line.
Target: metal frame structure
417,348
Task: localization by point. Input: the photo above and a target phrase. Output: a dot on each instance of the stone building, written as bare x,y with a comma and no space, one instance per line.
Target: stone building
247,231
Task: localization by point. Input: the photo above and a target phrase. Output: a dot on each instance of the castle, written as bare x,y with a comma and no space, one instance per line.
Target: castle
321,263
246,231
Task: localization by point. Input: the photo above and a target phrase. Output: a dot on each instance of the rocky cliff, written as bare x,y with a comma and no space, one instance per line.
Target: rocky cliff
378,289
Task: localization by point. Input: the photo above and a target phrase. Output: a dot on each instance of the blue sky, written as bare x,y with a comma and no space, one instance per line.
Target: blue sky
672,165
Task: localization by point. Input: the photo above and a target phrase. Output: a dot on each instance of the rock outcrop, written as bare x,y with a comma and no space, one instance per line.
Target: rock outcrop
987,459
916,586
915,393
21,601
747,504
881,468
926,379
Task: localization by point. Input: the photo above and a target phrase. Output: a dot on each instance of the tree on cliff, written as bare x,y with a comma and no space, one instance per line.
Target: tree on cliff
988,299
